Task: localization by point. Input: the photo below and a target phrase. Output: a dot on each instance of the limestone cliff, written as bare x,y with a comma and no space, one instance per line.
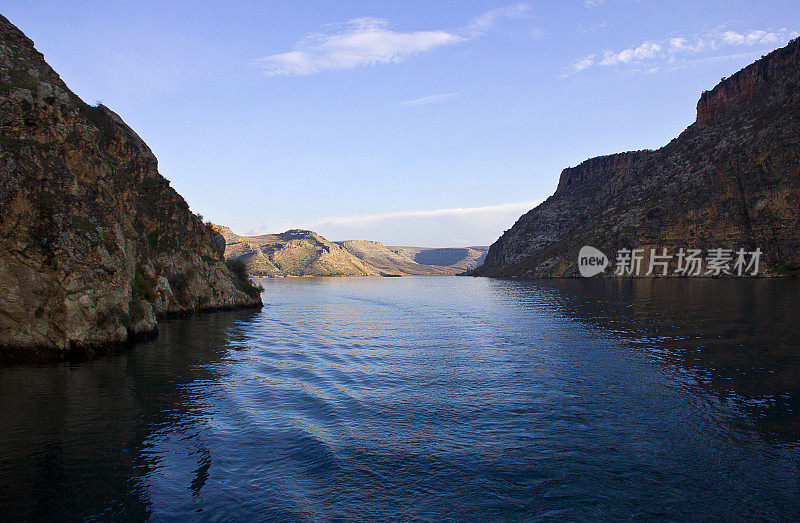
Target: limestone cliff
94,243
730,180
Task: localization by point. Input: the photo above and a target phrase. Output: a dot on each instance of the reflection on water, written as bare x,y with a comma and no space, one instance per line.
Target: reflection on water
431,398
738,341
81,438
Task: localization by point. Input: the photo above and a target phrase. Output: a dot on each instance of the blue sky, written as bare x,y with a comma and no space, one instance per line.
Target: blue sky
409,122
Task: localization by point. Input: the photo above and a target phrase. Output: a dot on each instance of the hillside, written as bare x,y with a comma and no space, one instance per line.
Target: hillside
293,253
95,243
306,253
455,259
388,261
730,180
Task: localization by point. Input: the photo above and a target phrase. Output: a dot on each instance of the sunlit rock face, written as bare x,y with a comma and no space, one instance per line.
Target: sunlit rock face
730,180
94,243
299,252
296,252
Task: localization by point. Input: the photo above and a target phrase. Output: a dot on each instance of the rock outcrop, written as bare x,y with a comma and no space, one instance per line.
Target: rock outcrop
730,180
94,243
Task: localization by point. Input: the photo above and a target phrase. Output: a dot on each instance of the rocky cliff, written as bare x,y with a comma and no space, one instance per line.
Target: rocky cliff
94,243
730,180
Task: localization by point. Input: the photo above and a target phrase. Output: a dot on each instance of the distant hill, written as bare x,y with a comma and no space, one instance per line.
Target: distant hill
457,259
306,253
293,253
388,261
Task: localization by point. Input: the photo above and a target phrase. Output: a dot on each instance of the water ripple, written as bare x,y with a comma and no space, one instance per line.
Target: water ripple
426,398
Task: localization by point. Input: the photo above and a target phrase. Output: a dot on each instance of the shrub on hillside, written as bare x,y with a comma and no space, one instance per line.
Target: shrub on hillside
242,280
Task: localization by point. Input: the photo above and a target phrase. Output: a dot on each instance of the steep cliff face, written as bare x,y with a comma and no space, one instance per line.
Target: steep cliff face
595,172
730,180
747,89
94,243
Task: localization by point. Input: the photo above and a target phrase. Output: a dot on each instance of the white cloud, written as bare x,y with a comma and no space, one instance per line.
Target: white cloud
679,48
363,41
593,3
733,38
456,211
488,20
456,227
584,63
370,41
593,28
425,100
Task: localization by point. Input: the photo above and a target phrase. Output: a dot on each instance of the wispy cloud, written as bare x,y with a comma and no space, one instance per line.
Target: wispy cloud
425,100
672,50
487,21
459,226
593,3
593,28
456,211
370,41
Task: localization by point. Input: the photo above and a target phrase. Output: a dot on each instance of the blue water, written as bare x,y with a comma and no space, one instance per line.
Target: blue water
426,398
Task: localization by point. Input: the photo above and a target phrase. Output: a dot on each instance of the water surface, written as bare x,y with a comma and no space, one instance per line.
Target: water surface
426,398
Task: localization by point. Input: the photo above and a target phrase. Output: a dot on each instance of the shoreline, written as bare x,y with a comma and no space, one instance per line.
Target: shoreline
44,354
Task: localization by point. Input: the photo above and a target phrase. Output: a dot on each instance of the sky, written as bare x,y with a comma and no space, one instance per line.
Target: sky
409,122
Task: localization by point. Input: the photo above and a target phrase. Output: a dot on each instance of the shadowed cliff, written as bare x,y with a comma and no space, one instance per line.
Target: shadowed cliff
730,180
94,243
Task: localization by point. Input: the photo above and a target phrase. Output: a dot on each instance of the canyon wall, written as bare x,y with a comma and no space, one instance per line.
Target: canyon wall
94,243
730,180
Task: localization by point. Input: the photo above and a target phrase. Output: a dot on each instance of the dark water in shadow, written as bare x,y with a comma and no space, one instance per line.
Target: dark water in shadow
427,398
